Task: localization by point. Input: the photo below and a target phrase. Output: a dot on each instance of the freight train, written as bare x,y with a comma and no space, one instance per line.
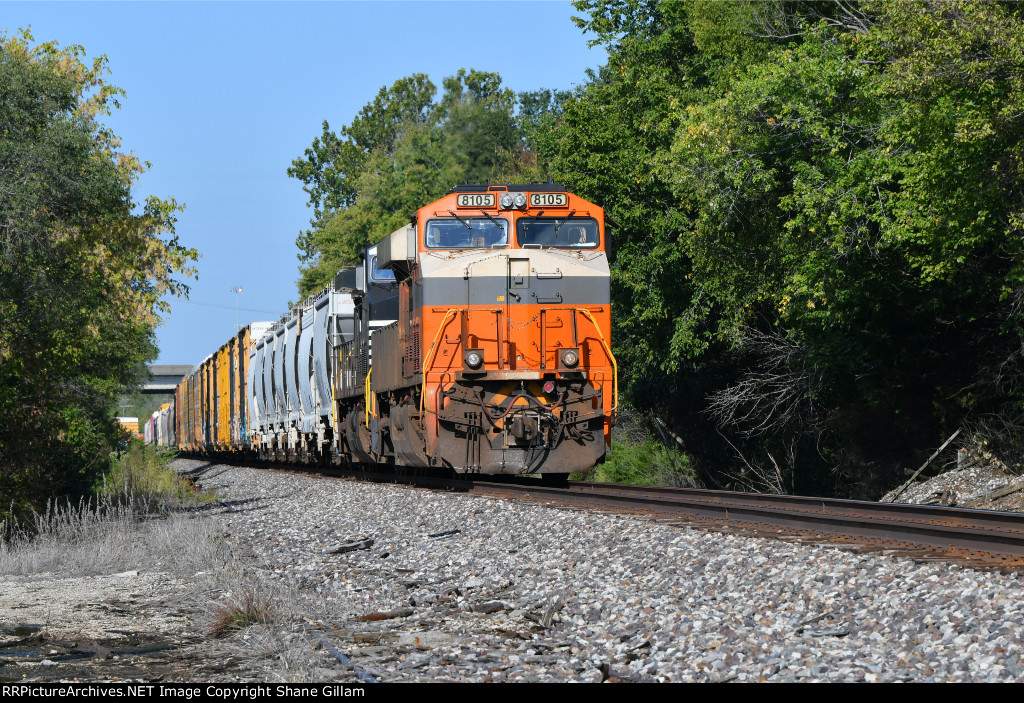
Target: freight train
474,340
159,428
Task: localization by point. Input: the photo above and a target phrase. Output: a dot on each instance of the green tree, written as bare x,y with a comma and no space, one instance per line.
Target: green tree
863,218
818,252
608,142
83,269
330,167
403,150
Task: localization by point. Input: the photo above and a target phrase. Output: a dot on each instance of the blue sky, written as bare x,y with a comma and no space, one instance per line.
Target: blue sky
222,96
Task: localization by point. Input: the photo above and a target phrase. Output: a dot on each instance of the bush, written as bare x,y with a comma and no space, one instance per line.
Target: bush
647,463
639,457
142,470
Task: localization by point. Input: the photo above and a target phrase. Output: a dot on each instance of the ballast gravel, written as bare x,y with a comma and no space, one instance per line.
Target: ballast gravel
451,587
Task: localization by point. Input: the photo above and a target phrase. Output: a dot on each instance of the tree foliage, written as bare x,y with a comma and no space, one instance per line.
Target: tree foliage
83,269
405,148
819,249
817,267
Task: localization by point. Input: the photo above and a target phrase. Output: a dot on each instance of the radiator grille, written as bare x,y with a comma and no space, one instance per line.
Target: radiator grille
413,353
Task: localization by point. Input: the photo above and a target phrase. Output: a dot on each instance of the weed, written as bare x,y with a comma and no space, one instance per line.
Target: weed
251,608
647,463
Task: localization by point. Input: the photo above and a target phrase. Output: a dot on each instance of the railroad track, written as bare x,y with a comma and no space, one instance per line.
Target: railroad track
980,538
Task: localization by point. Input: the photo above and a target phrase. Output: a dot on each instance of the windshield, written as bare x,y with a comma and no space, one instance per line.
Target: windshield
467,233
575,232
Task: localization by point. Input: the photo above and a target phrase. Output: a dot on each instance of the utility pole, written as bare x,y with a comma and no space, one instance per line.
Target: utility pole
236,290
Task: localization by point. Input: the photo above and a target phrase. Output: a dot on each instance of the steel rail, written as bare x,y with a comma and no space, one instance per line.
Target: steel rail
982,537
954,531
899,512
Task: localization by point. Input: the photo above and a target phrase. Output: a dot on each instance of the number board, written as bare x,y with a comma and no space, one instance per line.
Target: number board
475,200
549,200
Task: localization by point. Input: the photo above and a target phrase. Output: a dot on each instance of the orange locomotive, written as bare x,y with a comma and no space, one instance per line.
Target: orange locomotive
500,358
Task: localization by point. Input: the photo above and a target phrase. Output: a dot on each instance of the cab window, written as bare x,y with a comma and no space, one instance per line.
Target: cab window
380,274
566,232
466,233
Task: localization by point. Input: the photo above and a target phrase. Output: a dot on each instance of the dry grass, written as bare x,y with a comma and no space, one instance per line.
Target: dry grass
143,519
262,621
106,536
144,516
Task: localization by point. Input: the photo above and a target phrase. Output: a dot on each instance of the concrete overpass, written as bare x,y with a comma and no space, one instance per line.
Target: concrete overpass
165,377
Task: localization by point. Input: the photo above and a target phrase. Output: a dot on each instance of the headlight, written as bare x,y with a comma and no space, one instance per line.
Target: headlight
570,358
505,201
519,199
474,358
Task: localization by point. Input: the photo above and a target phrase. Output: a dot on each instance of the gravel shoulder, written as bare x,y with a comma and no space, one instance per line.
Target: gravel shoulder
126,626
94,607
987,487
414,585
467,588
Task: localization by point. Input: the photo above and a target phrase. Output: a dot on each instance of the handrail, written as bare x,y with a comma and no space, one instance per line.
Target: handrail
427,361
608,350
367,395
334,404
